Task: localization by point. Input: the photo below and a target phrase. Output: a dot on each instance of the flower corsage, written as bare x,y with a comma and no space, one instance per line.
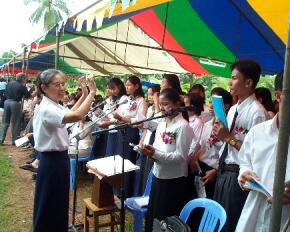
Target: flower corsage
168,137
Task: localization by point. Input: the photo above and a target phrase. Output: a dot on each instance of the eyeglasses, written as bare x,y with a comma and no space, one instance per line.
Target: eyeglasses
58,84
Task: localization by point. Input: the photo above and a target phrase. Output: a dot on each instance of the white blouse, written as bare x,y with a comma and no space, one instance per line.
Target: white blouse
196,124
210,146
134,109
49,132
172,142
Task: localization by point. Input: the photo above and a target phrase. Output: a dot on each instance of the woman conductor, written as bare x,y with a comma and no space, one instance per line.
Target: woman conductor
51,201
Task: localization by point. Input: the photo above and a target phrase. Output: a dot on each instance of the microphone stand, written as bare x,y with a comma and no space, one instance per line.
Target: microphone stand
123,129
78,137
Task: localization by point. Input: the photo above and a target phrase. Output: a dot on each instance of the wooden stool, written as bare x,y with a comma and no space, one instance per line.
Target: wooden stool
96,211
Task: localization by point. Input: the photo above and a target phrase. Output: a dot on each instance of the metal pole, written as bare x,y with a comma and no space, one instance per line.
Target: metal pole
283,144
23,60
57,49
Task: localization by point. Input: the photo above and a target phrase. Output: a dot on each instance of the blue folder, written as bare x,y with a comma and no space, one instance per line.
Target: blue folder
219,109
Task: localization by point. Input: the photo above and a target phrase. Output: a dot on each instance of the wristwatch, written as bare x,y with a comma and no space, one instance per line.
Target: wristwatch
233,142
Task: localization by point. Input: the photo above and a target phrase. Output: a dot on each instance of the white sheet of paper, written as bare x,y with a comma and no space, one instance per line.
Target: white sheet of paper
110,166
21,141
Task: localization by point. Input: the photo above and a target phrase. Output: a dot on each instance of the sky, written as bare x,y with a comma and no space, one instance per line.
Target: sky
16,28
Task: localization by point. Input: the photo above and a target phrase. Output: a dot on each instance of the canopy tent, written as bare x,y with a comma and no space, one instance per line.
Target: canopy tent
157,36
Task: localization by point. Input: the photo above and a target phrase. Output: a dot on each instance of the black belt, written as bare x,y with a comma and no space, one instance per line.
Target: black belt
230,168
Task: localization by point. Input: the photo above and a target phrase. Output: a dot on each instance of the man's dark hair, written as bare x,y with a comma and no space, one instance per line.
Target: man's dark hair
250,70
279,82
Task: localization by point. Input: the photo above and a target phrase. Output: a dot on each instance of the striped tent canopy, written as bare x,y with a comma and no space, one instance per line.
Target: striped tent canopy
202,37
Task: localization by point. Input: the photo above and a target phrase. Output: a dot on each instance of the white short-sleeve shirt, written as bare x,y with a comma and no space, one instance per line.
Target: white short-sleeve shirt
49,132
250,113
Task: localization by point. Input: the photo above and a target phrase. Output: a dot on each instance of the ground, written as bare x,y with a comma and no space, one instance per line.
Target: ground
17,192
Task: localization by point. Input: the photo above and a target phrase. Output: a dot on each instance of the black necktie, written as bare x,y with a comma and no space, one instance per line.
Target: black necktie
225,151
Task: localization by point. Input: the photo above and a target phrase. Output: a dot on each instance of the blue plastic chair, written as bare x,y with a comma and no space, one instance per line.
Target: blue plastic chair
139,212
213,212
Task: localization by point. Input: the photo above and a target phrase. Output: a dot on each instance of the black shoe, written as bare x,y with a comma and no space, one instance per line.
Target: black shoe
29,162
34,176
28,167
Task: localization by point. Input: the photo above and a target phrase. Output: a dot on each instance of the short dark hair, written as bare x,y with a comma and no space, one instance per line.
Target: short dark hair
198,87
250,70
279,82
136,81
155,88
227,97
171,94
197,101
173,81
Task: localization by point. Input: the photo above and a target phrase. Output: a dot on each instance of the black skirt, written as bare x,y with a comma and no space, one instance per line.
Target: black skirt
167,198
126,151
51,201
230,195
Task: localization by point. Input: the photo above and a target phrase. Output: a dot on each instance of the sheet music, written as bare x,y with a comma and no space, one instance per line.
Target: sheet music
109,166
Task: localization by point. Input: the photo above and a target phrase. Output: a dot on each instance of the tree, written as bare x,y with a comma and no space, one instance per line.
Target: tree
7,56
49,11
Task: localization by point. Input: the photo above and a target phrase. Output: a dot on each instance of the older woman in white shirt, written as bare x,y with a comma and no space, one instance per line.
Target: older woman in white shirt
170,189
51,201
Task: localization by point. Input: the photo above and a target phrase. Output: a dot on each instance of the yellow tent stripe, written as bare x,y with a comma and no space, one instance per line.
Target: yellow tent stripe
274,13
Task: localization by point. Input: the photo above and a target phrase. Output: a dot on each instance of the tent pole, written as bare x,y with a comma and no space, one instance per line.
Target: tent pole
23,59
283,144
57,49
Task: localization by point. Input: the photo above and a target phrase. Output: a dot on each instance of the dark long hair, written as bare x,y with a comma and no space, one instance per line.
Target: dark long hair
266,97
173,81
120,85
136,81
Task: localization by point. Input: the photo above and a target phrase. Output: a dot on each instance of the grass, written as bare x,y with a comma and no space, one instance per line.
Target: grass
6,183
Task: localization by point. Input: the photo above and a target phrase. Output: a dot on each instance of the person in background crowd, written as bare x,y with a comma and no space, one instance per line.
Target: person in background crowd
205,149
147,138
170,188
3,85
134,110
241,118
264,96
51,201
199,89
257,158
15,91
195,122
117,93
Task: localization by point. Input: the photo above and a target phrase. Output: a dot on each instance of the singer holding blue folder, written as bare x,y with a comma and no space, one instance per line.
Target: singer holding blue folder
51,201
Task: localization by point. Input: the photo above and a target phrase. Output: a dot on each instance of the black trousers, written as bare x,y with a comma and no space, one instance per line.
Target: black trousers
51,202
230,195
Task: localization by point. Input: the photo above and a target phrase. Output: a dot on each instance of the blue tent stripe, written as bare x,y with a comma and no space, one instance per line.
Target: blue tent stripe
226,21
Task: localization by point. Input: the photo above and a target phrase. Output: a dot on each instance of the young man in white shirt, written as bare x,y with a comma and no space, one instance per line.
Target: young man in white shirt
258,161
241,118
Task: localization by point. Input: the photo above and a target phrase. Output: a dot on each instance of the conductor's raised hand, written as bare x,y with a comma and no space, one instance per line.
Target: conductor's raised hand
83,86
91,84
221,132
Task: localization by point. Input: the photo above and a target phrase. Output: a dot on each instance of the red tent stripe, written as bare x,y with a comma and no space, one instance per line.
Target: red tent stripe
151,25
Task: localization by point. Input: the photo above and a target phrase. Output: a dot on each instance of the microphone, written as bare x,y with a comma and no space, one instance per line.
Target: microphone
122,103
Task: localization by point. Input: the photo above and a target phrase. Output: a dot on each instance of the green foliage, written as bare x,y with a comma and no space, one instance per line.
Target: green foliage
7,56
50,12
